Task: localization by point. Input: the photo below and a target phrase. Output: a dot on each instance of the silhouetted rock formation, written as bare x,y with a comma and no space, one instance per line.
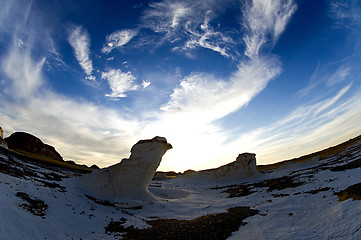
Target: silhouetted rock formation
243,167
130,178
2,141
94,166
160,176
29,143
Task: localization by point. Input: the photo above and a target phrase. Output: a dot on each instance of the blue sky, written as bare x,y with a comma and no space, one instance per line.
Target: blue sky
277,78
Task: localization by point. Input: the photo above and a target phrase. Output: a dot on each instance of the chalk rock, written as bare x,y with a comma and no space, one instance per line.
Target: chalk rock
189,172
247,162
130,178
243,167
160,176
2,141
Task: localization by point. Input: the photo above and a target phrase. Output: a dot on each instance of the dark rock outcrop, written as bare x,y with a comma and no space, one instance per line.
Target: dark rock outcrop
29,143
94,166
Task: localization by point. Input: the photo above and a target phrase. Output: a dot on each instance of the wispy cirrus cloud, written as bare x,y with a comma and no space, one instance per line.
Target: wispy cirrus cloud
346,13
24,73
186,24
119,82
329,74
340,75
312,110
167,16
80,41
210,98
208,38
118,39
264,21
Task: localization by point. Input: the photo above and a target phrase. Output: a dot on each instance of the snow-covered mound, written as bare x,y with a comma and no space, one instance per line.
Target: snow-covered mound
307,200
130,178
244,167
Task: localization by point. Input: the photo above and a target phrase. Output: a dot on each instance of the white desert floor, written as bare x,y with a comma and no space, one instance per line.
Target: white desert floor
301,205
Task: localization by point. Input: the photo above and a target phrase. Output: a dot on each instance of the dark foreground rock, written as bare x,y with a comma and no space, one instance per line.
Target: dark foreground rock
33,205
348,166
212,226
353,191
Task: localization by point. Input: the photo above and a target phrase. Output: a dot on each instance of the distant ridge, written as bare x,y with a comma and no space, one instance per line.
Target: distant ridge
321,154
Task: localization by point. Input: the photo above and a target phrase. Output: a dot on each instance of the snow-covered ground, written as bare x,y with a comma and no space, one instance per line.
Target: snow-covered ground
296,201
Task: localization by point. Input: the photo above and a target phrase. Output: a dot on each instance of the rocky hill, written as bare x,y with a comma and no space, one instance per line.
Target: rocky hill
29,143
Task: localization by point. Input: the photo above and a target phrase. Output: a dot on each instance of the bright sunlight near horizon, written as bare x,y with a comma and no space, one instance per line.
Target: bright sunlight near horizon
276,78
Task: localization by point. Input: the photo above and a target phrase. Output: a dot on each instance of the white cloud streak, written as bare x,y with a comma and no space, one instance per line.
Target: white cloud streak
328,74
208,38
209,98
166,16
25,74
80,41
340,75
263,22
118,39
186,24
119,82
145,84
346,13
264,19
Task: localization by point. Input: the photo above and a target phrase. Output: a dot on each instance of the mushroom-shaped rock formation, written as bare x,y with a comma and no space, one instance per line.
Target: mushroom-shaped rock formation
130,178
243,167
